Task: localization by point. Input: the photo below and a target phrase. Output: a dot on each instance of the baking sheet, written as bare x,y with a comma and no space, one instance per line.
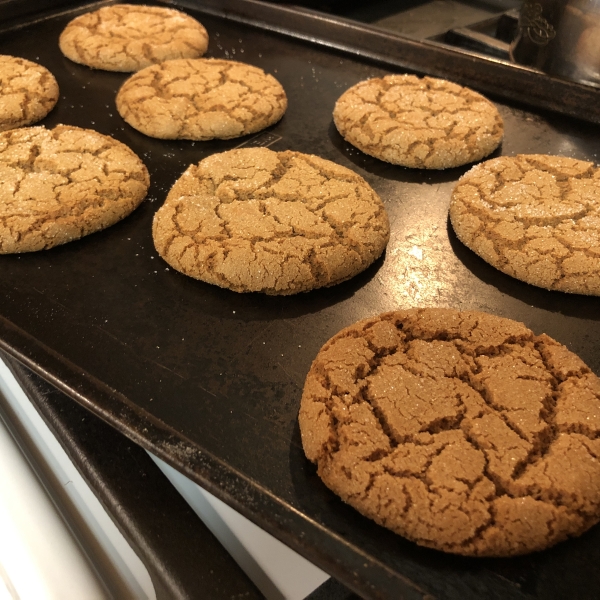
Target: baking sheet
210,380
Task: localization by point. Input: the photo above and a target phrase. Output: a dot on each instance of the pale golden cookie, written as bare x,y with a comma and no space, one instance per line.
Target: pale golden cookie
60,184
28,92
129,37
254,220
534,217
201,99
461,431
423,123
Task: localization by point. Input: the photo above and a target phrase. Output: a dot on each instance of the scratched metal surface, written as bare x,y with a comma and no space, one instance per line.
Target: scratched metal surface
210,380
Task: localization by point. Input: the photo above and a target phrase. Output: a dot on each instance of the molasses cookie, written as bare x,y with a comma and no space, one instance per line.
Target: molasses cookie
423,123
535,218
28,92
129,37
254,220
60,184
201,99
461,431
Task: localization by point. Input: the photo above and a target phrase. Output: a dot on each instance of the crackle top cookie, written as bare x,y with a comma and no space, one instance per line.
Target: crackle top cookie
423,123
57,185
28,92
534,217
461,431
129,37
201,99
254,220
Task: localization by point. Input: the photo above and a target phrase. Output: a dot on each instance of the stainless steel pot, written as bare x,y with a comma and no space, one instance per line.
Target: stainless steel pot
560,37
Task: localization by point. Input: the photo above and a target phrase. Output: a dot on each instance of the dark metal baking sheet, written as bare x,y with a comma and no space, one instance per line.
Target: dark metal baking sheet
181,554
210,380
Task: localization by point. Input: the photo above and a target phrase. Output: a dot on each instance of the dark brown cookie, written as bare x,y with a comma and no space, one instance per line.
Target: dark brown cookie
461,431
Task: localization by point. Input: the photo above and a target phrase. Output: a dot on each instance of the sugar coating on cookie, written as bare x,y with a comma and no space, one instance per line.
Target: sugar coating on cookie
201,99
28,92
423,123
128,37
535,218
58,185
254,220
461,431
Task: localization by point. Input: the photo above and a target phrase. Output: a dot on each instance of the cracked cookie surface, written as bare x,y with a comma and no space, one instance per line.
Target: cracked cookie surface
28,92
128,37
535,218
423,123
58,185
461,431
201,99
254,220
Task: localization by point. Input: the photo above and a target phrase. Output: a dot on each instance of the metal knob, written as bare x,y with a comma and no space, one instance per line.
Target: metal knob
560,37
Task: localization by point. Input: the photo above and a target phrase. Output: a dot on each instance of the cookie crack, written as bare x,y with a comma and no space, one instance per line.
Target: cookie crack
561,178
481,529
498,410
501,489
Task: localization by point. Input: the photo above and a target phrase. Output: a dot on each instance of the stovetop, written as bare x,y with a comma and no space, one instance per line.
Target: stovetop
477,37
421,19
